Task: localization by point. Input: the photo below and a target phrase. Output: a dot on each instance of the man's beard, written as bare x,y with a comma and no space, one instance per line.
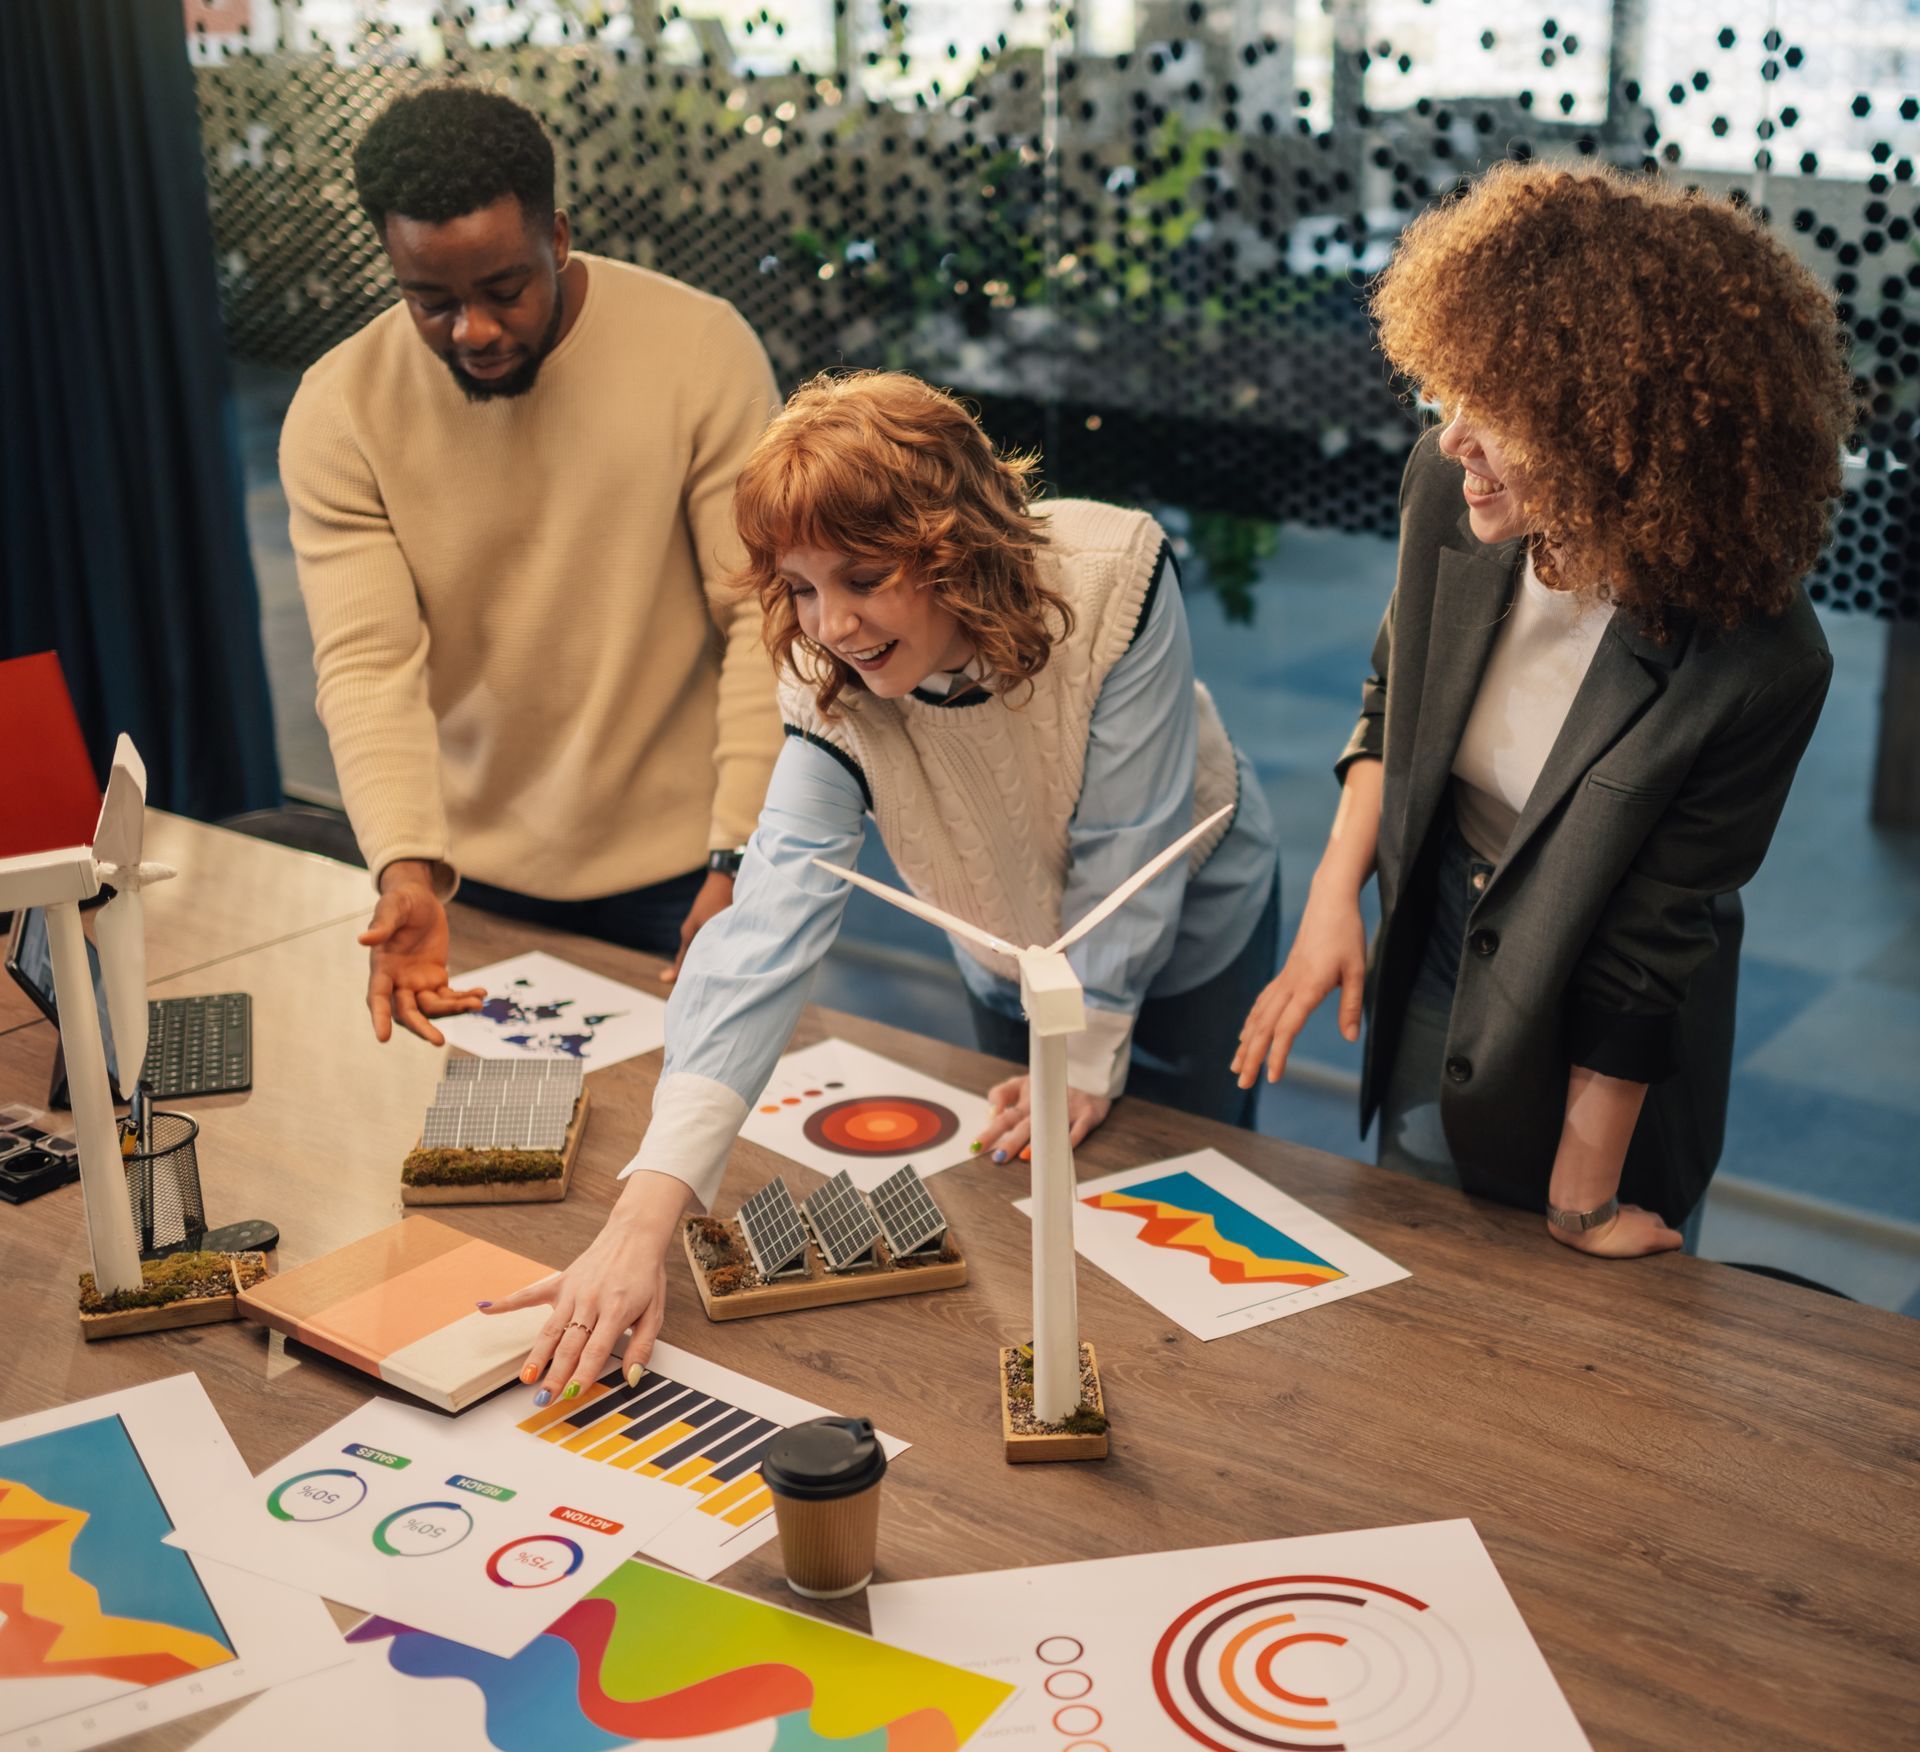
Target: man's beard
515,382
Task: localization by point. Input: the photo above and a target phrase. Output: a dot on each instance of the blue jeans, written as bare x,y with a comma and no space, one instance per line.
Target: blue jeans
1412,1138
1182,1044
647,919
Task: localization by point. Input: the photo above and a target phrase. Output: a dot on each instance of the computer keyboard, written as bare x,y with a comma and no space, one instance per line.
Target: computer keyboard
199,1046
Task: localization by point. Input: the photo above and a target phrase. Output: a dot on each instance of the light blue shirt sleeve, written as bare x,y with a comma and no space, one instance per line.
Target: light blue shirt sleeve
745,980
1136,799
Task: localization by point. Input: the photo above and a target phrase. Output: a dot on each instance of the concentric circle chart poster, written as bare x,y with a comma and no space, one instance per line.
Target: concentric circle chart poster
1394,1639
832,1106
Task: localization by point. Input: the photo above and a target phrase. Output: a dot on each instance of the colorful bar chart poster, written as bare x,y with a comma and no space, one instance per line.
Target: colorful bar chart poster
105,1628
832,1106
538,1006
399,1511
648,1658
1395,1639
1215,1248
691,1426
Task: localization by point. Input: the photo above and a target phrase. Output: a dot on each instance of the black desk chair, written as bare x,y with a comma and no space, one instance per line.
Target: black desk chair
304,828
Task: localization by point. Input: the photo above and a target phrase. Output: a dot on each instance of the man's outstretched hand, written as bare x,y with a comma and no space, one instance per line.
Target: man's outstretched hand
407,968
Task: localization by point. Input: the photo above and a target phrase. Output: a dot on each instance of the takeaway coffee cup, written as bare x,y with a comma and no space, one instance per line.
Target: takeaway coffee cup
825,1478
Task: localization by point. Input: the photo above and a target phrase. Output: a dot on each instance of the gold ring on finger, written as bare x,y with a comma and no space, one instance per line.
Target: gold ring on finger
571,1324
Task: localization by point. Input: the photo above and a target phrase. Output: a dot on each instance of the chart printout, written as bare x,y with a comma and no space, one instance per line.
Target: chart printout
427,1521
698,1430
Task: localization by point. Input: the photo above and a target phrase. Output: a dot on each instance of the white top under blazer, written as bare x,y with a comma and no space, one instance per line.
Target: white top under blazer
1539,659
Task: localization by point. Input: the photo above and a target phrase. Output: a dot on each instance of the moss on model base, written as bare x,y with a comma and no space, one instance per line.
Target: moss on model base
480,1167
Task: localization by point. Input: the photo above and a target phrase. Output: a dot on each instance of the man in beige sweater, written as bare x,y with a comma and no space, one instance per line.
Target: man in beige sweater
512,510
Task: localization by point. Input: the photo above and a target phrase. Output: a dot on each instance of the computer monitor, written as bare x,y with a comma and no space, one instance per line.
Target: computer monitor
30,962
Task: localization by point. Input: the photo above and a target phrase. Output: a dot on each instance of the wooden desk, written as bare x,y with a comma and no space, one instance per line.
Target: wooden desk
232,895
1702,1487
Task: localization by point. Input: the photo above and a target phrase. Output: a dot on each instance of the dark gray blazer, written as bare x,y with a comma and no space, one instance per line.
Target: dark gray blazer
1609,934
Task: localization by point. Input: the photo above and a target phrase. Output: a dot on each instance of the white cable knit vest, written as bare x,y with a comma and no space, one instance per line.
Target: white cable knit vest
973,802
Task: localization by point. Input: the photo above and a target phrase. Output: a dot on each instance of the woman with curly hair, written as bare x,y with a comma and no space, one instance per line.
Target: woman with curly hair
1589,694
1006,687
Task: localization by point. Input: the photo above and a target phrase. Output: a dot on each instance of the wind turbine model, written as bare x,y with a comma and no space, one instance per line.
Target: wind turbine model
59,880
1051,996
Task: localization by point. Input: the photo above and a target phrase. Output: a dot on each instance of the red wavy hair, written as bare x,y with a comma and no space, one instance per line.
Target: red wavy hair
884,468
1672,380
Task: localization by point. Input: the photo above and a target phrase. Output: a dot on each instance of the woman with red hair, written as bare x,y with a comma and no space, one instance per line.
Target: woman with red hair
1006,687
1591,689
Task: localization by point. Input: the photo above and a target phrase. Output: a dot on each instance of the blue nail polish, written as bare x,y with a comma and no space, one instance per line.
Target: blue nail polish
542,1397
483,1304
999,1155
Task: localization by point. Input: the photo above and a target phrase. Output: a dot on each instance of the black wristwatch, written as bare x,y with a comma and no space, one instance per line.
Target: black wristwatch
726,863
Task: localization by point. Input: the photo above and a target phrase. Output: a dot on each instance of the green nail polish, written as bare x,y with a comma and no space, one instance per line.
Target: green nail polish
973,1149
573,1390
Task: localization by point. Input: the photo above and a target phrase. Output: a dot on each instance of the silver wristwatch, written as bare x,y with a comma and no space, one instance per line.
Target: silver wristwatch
1579,1222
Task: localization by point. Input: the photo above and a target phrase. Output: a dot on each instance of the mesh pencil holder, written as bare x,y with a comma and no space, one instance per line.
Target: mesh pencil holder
163,1184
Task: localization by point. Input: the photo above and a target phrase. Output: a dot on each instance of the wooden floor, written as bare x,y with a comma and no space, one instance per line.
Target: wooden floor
1701,1487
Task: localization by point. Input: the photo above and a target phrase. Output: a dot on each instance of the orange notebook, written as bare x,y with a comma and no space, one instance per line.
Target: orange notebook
399,1304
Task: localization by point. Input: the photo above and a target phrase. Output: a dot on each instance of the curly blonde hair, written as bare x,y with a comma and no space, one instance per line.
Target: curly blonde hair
884,468
1672,382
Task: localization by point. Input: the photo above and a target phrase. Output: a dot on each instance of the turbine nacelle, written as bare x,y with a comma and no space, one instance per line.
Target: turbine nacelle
1050,993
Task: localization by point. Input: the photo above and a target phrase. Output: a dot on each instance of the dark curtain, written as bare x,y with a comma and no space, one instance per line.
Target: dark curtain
121,522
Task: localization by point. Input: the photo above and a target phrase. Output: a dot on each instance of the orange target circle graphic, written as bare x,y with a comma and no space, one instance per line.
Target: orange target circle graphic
880,1125
1296,1663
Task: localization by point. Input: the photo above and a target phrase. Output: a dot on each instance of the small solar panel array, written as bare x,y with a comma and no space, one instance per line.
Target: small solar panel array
503,1104
907,1212
844,1226
776,1238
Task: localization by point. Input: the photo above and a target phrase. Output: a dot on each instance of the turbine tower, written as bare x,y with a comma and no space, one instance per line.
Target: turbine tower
1051,995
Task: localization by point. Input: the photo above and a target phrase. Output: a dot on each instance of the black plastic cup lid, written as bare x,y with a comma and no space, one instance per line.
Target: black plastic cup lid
827,1457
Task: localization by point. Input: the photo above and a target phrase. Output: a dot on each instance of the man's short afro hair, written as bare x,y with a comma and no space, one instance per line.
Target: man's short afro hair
447,150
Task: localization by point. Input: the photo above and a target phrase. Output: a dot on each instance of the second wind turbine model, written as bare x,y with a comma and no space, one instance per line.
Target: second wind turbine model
1050,993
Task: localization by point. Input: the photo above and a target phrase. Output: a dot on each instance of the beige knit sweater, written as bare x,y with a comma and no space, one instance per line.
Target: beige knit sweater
975,803
529,667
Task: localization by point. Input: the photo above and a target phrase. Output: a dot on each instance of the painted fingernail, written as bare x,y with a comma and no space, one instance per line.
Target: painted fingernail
999,1155
973,1149
543,1397
529,1375
483,1304
1026,1155
634,1372
572,1390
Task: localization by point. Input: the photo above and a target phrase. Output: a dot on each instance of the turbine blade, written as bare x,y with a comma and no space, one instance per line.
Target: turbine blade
1137,881
120,934
920,910
123,823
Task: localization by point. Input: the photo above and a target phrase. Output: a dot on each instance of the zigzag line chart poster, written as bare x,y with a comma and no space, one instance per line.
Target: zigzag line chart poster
1393,1639
1214,1247
105,1628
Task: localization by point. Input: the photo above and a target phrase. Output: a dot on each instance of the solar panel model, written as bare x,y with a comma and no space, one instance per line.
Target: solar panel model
775,1236
890,1242
843,1228
908,1216
499,1131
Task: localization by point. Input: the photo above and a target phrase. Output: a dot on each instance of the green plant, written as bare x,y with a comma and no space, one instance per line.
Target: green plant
1230,550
